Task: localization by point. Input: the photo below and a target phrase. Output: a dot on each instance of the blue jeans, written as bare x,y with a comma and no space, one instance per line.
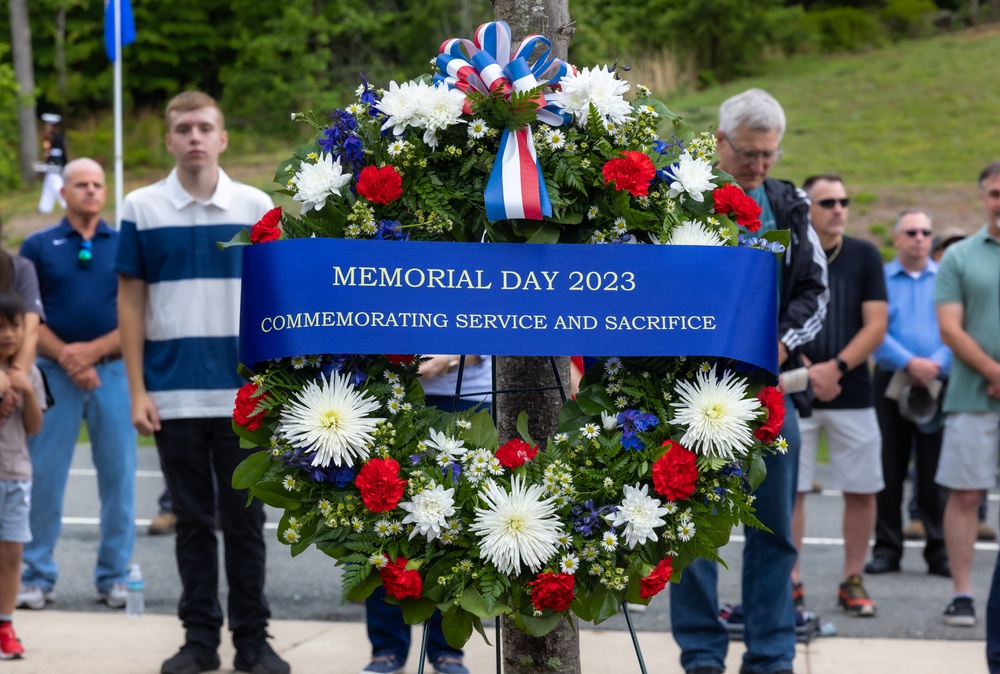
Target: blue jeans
768,558
993,622
113,447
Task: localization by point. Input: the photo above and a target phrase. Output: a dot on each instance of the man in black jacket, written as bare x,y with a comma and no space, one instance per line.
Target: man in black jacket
751,125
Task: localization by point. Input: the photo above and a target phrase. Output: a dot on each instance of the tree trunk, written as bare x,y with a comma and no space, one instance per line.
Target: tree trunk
61,78
20,33
558,651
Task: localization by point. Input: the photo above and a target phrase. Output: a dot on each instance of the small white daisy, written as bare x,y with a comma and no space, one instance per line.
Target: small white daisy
378,560
288,482
592,212
291,535
590,430
609,541
569,564
478,128
396,148
685,531
613,365
557,139
464,424
560,438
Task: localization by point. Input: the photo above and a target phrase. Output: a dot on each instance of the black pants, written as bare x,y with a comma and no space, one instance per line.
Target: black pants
901,439
190,450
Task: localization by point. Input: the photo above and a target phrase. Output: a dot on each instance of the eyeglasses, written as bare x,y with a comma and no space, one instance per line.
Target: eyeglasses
85,254
830,203
752,156
912,233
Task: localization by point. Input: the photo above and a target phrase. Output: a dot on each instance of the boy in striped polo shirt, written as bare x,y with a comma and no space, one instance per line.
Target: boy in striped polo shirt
178,310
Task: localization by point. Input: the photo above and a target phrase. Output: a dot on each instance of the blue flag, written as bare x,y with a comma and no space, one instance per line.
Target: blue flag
128,26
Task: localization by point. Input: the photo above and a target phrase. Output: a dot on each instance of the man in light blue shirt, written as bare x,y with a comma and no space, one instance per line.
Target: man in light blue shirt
912,344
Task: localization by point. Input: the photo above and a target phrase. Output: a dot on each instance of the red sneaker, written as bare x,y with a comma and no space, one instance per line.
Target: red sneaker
10,645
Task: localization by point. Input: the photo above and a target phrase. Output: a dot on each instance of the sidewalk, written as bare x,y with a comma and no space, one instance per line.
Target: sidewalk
60,642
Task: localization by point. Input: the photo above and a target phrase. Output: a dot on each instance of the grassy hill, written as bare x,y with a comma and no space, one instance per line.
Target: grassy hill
910,124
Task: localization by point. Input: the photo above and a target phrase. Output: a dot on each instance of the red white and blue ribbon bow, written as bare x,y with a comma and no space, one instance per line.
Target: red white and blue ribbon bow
516,188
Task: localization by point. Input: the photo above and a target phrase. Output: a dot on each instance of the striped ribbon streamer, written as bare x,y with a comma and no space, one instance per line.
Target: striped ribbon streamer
516,188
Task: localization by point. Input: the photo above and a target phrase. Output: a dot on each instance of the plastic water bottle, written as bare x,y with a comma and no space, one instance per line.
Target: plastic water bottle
135,601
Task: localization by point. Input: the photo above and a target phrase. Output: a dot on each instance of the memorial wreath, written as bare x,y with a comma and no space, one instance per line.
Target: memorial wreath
655,460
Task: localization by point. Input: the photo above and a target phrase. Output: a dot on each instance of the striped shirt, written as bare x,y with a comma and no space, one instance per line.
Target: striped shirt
168,239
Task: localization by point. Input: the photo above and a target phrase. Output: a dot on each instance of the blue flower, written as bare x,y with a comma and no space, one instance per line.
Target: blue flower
391,230
586,518
339,476
345,363
633,421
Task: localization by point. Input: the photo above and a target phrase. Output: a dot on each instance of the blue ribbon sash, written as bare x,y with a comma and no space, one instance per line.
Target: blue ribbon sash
317,296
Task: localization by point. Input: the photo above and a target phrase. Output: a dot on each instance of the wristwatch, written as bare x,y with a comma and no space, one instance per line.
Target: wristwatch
842,365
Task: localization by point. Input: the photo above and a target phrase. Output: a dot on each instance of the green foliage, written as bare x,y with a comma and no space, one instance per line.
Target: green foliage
10,173
909,18
845,29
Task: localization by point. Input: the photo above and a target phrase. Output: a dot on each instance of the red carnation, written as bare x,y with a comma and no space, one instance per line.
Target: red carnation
515,452
552,591
246,403
400,582
379,484
633,172
380,185
675,473
730,199
774,401
399,358
267,228
657,579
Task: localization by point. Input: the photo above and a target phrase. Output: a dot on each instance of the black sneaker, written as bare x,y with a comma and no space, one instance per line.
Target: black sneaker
960,613
260,659
191,659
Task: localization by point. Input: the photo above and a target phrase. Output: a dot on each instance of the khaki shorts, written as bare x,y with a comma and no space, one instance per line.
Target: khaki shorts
855,444
969,451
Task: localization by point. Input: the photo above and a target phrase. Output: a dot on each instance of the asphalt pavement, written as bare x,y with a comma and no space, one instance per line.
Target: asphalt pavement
908,633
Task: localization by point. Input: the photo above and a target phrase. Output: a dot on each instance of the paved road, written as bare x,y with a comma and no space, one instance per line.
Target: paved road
307,587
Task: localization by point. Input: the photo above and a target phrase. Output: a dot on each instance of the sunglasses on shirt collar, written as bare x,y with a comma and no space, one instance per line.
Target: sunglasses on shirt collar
85,254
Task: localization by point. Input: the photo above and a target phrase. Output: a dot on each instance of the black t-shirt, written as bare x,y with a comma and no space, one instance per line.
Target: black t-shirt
856,276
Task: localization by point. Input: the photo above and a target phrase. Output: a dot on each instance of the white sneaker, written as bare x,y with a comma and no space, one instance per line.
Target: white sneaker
34,597
114,596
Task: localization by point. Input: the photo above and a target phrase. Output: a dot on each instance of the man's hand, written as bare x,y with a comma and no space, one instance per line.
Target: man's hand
435,366
78,356
145,418
825,378
922,371
87,379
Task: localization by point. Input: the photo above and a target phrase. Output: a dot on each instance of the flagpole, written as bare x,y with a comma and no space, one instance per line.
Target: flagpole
119,162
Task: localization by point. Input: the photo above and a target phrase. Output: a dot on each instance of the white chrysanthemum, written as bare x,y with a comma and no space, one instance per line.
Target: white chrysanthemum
516,528
446,444
597,86
315,183
691,177
693,233
400,104
609,420
717,413
640,514
429,511
330,418
439,108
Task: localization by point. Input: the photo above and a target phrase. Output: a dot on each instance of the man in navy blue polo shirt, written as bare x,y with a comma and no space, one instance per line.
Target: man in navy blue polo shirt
80,354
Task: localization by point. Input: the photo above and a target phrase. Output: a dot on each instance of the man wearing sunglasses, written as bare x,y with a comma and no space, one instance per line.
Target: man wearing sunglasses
838,371
80,353
913,347
751,125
